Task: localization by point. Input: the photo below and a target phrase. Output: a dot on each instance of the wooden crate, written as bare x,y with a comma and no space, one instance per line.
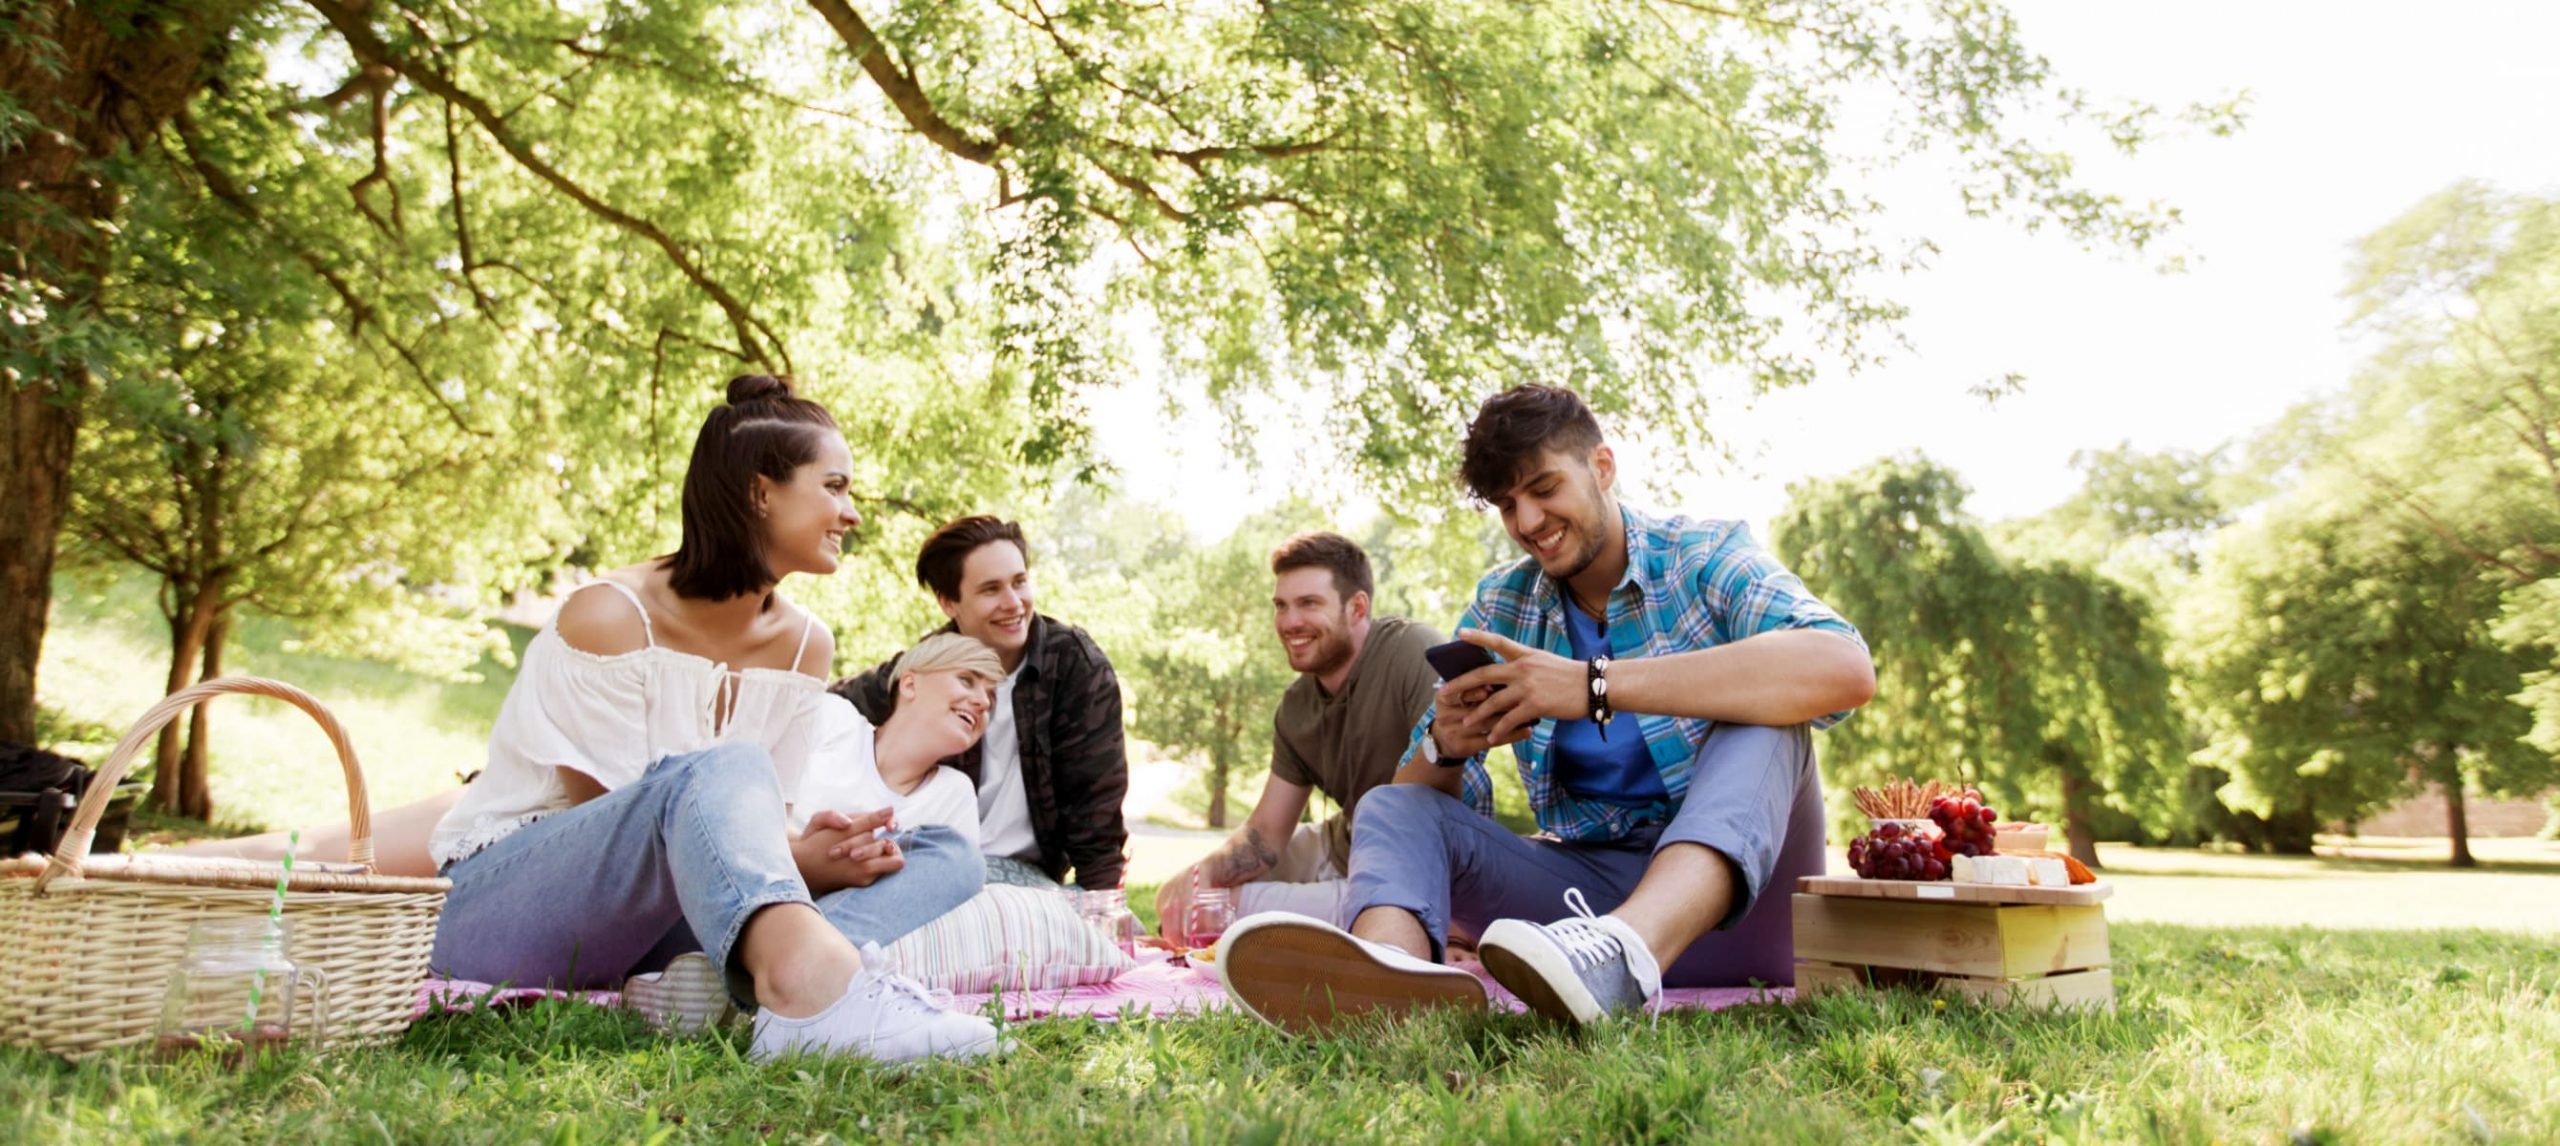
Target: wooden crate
2001,945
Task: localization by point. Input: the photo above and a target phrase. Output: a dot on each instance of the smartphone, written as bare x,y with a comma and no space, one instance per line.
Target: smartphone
1457,659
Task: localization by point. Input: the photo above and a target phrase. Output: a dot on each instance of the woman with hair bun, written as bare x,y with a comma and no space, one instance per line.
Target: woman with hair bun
632,810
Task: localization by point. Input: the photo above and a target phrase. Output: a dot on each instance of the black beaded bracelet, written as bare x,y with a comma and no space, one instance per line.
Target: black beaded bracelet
1599,684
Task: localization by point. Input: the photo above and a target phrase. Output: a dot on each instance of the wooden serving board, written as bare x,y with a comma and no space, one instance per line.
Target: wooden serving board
1946,891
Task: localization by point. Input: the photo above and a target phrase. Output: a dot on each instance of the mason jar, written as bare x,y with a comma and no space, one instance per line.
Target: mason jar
235,992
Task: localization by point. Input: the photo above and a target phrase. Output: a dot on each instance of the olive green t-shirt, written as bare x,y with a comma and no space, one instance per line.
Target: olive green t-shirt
1349,742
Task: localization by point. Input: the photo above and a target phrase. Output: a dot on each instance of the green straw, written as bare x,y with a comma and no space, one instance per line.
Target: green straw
275,928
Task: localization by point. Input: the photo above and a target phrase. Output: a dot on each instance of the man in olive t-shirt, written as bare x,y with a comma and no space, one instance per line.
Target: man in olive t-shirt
1340,730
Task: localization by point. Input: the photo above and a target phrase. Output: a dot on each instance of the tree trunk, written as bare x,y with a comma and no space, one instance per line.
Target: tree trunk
1218,787
2457,818
186,646
2290,832
34,492
96,78
196,786
2077,791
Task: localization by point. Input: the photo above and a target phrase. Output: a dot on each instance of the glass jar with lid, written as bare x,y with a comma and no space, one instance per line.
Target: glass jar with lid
236,993
1106,910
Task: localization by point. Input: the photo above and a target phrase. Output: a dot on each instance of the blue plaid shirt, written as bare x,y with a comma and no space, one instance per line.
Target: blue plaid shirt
1689,585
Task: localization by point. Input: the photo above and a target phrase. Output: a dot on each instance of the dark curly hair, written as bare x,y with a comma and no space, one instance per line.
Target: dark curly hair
1513,426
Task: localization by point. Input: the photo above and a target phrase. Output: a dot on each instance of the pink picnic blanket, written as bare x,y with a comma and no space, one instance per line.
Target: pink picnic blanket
1157,986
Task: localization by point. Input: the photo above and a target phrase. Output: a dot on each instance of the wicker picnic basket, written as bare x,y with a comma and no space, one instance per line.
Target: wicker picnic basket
87,943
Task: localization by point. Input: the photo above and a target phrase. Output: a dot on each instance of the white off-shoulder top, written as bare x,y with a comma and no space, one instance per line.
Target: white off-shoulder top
612,717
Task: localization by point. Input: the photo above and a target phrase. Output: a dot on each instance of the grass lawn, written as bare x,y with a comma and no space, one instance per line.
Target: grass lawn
2367,995
2241,1035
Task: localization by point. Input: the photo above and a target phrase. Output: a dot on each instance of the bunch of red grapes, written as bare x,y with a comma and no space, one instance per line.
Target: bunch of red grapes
1965,826
1894,851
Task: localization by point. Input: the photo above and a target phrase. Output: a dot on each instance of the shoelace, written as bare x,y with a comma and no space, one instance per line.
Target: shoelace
896,991
1585,944
905,990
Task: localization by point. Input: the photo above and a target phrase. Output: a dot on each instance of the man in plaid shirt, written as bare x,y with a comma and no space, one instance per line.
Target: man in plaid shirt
1658,681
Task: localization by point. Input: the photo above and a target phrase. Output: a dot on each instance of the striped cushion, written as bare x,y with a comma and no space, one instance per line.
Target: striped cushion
1007,939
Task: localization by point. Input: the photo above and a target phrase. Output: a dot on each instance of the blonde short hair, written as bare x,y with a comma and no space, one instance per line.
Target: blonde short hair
950,652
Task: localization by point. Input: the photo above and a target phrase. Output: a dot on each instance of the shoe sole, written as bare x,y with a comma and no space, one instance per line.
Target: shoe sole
981,1051
689,997
1306,978
1521,958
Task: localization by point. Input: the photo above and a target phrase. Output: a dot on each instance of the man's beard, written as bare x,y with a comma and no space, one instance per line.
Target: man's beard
1332,651
1581,560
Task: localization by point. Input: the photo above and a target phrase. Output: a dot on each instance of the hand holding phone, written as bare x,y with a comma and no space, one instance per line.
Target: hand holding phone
1457,659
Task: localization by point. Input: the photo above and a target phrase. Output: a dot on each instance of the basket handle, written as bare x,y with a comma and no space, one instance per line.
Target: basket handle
93,803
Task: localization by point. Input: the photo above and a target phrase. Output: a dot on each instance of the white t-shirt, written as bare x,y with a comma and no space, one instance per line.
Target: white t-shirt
844,775
1004,804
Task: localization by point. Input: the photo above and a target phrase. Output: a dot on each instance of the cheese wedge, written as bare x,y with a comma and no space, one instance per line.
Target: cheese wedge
2043,872
1999,871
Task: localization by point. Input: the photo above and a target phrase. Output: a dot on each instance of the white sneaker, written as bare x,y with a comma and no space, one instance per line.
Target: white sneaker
1304,975
690,996
1579,970
883,1017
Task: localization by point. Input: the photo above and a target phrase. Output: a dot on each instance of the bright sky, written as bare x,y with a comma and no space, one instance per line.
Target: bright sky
2359,110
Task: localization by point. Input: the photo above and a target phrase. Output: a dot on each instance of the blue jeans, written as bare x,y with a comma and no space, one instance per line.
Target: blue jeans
1753,796
587,895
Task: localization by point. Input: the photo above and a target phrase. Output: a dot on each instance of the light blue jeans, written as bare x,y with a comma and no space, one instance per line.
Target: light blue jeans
588,895
1754,797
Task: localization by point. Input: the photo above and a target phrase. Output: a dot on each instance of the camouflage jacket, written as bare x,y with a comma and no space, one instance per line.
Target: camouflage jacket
1075,768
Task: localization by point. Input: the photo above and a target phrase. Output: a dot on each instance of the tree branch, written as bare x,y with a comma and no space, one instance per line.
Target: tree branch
462,222
902,505
1126,233
1142,189
1730,14
361,38
374,82
904,93
580,48
359,312
2451,536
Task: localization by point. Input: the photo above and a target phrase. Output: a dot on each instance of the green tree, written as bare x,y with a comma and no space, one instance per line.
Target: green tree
1427,563
1388,198
2142,520
243,455
2043,683
1209,674
2374,629
2457,426
2343,660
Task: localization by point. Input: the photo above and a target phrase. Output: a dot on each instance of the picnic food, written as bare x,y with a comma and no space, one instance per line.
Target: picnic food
1901,846
1903,799
1893,851
2019,837
1965,825
2078,872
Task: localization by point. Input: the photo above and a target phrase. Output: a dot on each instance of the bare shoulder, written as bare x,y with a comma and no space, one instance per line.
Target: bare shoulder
597,619
819,659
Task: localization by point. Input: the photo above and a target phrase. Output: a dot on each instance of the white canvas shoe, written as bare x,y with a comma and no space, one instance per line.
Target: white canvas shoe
1304,975
690,996
884,1017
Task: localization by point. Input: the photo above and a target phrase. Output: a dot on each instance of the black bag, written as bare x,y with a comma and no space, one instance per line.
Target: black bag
38,789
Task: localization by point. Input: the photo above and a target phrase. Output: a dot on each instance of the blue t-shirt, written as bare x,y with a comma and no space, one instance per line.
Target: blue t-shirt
1617,770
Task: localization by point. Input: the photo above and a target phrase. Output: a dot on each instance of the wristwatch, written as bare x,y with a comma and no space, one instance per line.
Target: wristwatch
1431,741
1597,678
